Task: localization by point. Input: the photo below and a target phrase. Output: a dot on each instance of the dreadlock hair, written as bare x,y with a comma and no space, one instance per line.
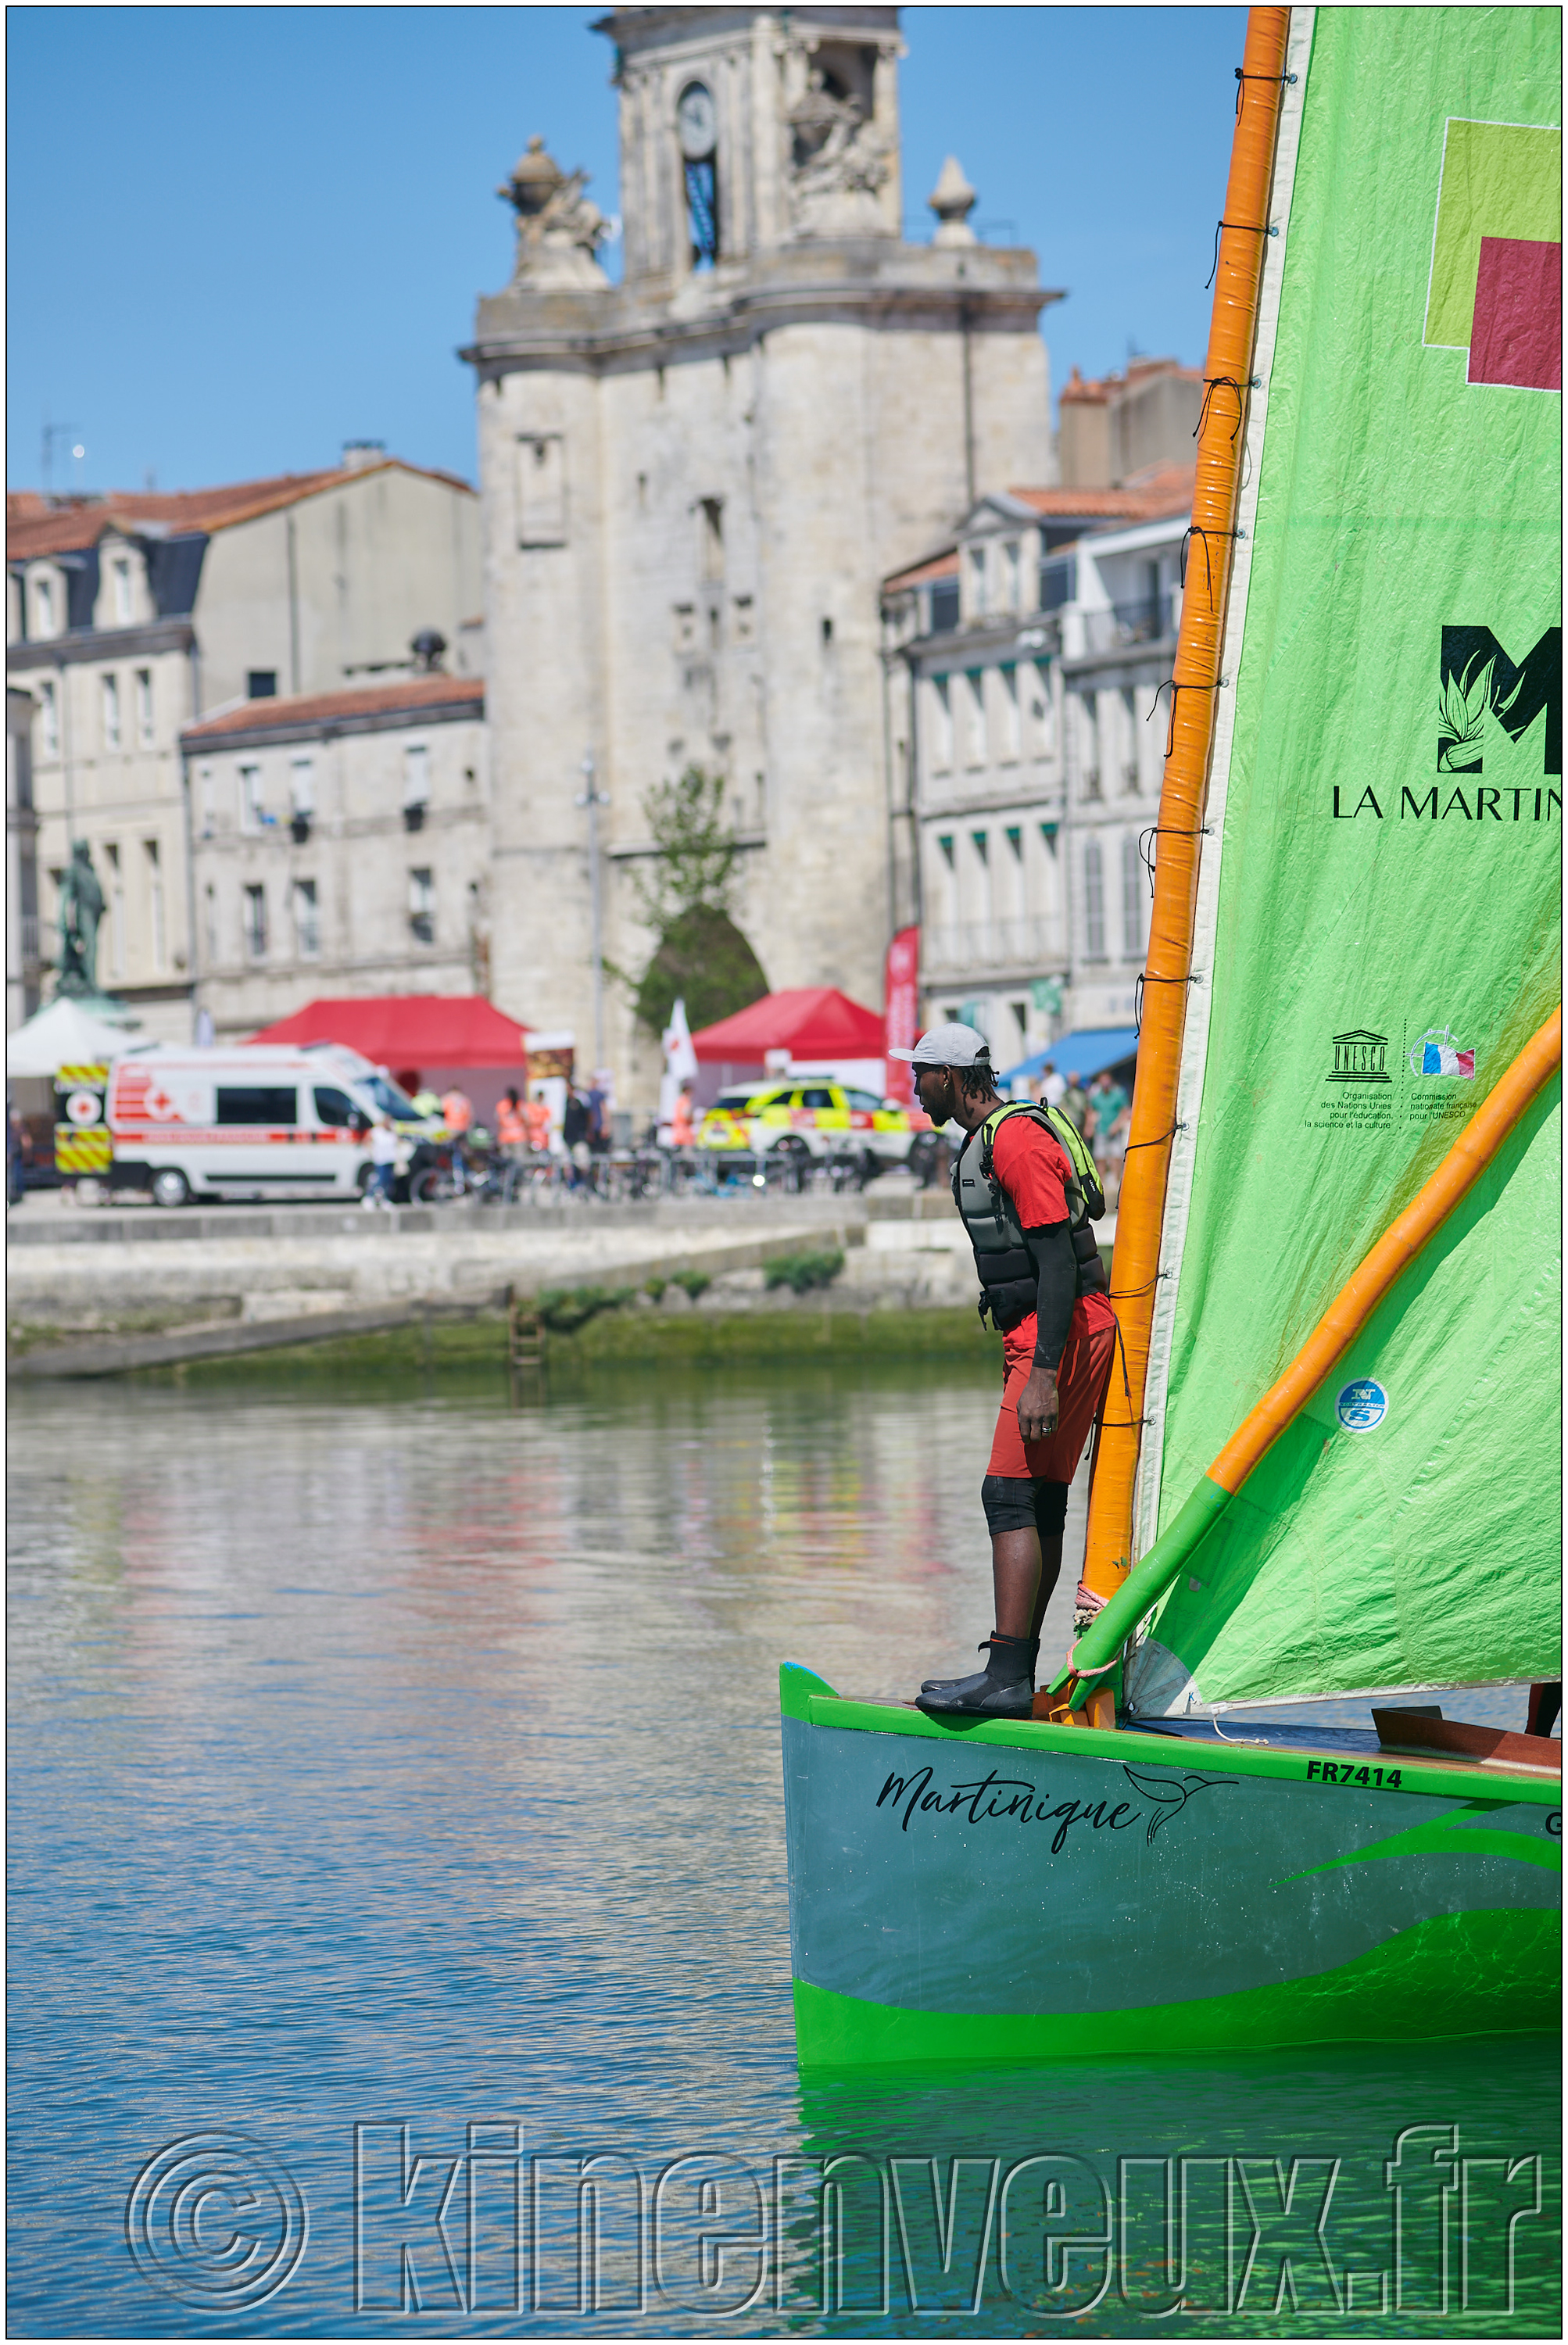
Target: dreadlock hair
977,1082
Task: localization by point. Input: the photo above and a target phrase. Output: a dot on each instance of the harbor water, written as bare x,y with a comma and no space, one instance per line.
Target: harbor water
398,1934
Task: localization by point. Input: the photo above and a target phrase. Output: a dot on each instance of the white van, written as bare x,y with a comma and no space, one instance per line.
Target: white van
255,1121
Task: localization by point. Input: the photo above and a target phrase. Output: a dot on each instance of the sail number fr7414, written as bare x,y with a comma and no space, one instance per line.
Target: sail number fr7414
1368,1779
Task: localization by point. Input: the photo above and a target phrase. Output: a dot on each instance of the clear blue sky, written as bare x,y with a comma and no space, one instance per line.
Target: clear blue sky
238,236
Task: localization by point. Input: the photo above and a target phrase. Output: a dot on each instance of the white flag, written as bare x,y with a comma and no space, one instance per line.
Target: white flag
679,1061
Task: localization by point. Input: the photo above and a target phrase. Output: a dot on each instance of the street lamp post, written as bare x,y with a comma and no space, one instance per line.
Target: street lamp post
594,799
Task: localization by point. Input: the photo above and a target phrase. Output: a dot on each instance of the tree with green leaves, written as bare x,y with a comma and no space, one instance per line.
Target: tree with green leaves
686,899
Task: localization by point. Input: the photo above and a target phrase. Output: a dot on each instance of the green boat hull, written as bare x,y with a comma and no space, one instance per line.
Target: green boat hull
1036,1892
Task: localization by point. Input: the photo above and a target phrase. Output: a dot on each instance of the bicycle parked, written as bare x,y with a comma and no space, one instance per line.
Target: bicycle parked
444,1170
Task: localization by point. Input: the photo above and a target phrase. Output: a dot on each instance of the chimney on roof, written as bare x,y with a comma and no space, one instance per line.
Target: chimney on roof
359,454
1110,430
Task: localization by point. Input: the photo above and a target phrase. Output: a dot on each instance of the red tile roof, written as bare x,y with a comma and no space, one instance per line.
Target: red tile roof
1098,390
1155,494
34,525
412,696
941,566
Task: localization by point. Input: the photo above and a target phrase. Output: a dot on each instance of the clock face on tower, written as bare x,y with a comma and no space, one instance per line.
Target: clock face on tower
696,122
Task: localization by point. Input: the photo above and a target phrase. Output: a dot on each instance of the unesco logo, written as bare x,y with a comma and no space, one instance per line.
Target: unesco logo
1360,1057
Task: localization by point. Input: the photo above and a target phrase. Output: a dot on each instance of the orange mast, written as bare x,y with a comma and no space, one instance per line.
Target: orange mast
1221,439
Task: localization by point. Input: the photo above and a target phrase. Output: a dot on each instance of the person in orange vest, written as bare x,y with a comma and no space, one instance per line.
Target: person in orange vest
682,1131
457,1110
537,1115
511,1128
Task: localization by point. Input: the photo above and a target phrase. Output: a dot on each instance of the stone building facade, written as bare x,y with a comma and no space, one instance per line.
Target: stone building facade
1023,662
694,482
341,845
22,943
128,617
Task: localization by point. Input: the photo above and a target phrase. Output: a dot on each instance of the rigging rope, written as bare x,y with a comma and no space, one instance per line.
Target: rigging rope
1284,79
1248,227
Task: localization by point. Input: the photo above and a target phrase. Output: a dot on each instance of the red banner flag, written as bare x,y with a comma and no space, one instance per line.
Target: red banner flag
900,1011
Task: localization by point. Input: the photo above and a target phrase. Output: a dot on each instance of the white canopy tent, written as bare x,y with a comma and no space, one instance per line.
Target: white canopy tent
64,1035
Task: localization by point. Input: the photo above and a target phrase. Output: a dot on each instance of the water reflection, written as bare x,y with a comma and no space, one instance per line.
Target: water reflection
411,1758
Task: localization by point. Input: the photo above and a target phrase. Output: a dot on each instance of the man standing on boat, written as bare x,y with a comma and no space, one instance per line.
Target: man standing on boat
1022,1183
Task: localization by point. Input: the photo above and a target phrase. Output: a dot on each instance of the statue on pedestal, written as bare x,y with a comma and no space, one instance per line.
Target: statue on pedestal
81,913
559,231
840,163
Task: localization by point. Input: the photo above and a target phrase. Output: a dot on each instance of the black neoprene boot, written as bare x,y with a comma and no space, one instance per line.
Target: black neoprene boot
940,1685
1005,1688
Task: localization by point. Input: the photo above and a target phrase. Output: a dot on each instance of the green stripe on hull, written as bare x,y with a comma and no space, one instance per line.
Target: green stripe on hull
1455,1974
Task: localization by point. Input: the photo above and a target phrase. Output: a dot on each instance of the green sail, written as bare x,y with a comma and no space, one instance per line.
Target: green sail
1379,928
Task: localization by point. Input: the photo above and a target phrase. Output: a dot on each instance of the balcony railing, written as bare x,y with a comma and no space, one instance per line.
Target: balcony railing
1148,622
964,945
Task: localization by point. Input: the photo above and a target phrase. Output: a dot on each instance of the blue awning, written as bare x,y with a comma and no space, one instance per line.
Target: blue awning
1083,1054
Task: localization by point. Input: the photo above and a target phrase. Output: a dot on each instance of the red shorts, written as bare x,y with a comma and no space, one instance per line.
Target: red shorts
1082,1377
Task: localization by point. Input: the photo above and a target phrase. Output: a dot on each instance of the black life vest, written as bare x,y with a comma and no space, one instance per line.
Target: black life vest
1008,1268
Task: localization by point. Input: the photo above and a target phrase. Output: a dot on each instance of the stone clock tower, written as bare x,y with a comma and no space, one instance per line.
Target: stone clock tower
693,482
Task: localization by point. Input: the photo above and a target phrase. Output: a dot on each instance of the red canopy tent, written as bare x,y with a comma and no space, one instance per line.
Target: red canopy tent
409,1029
816,1024
430,1040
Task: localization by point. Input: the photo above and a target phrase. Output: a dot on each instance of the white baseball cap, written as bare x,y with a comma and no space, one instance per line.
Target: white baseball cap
948,1046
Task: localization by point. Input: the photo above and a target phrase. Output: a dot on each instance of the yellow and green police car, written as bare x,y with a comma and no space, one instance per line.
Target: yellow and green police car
809,1117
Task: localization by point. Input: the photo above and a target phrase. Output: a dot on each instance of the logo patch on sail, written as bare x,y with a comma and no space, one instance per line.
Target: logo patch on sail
1495,287
1475,676
1360,1404
1437,1053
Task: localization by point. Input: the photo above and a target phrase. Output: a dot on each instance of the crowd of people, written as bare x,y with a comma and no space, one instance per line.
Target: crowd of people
1102,1113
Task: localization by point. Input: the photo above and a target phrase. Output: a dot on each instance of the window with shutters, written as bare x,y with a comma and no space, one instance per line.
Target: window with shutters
153,855
940,706
1130,741
117,911
1089,718
1012,726
541,489
1133,896
422,906
307,921
256,922
974,716
711,549
1094,902
1034,684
